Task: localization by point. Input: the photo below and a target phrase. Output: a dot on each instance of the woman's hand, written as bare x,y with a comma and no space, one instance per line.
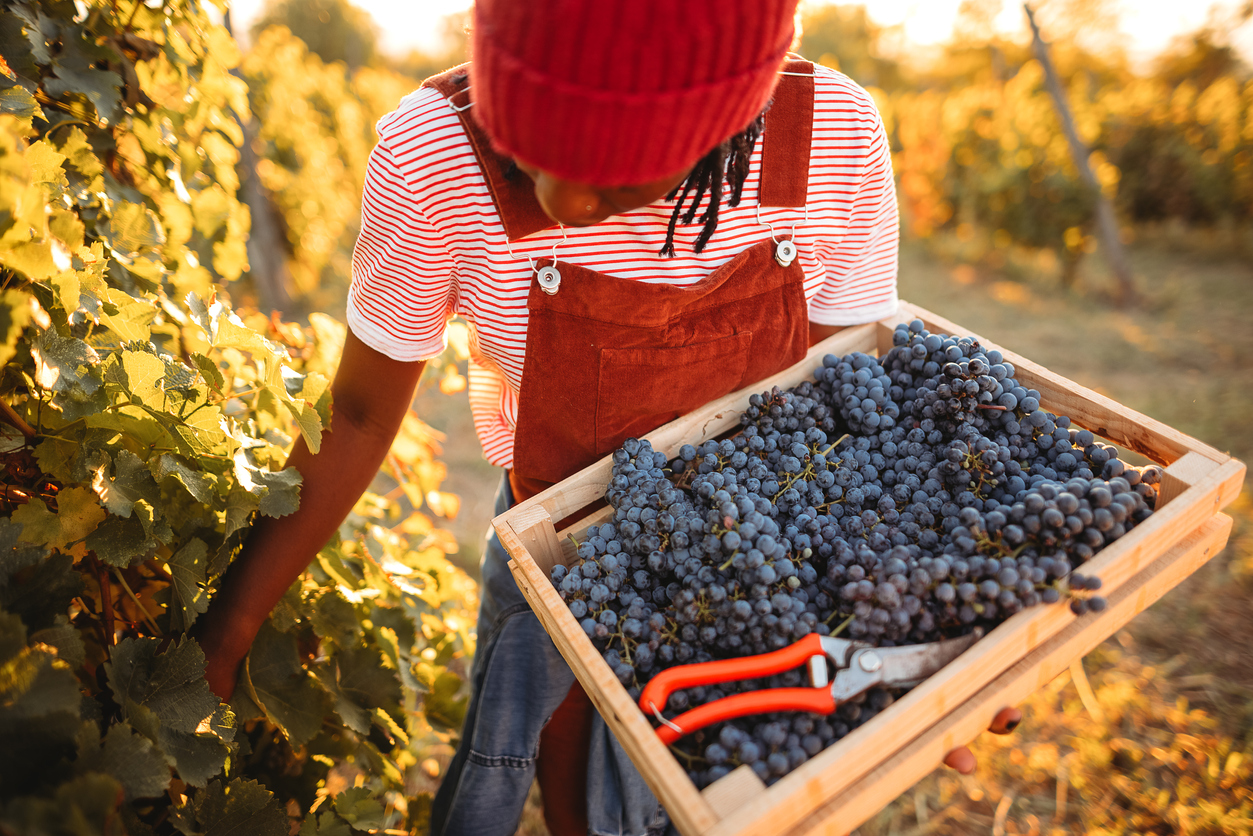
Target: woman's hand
963,760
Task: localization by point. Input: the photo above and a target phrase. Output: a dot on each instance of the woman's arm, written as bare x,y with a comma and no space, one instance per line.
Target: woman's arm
371,394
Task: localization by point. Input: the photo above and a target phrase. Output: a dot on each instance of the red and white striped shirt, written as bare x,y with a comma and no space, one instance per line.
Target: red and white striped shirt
432,245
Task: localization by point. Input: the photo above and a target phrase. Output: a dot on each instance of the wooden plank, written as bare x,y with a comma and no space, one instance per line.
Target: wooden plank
687,807
1181,475
828,774
537,535
733,791
862,799
1098,413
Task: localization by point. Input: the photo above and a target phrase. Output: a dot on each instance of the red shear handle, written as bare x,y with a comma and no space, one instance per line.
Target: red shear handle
816,700
659,689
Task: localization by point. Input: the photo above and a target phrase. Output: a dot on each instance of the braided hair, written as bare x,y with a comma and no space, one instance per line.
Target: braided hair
728,162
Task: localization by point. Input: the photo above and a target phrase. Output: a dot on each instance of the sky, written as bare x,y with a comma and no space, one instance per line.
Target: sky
1149,25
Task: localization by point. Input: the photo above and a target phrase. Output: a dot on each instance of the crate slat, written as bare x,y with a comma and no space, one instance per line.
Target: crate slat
1198,481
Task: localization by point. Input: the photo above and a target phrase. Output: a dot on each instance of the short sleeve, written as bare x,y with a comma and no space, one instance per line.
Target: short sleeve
861,265
403,277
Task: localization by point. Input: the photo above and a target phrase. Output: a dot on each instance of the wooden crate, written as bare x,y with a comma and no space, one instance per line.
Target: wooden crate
850,781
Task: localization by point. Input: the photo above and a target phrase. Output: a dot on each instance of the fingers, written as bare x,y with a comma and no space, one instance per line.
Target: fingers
963,760
1005,721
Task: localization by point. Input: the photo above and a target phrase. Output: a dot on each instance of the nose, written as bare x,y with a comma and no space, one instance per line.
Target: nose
568,202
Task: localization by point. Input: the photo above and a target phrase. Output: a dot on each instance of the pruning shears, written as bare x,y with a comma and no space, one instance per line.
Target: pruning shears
858,667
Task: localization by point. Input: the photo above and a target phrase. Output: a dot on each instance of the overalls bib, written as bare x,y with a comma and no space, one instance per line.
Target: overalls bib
606,359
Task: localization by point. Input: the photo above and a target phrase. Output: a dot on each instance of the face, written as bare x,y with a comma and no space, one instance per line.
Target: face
582,204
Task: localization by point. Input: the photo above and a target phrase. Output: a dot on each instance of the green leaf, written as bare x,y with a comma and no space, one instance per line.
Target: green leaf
282,688
131,481
64,364
240,506
165,696
16,555
132,229
131,759
15,314
33,259
64,637
84,806
134,422
335,619
208,368
364,680
326,823
122,542
18,101
144,372
278,494
240,808
45,593
78,151
68,290
202,430
133,320
200,485
443,706
78,514
212,208
189,566
39,711
75,74
45,165
360,809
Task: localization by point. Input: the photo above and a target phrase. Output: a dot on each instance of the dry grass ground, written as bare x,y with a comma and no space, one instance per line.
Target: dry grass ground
1184,355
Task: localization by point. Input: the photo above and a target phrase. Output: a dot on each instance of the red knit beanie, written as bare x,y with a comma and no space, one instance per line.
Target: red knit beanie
623,92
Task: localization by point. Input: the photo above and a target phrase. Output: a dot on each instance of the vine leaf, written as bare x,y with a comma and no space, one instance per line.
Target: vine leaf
131,481
64,364
231,809
359,809
326,823
166,698
39,709
18,101
130,758
64,639
199,485
14,316
78,513
75,74
280,686
278,493
121,541
44,593
132,229
15,554
189,566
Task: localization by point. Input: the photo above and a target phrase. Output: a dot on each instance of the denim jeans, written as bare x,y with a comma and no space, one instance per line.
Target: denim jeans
517,680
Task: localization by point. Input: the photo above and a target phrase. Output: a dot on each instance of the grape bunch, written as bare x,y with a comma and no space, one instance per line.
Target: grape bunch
899,499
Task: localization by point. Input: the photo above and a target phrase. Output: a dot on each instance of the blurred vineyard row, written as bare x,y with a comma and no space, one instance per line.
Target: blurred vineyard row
978,149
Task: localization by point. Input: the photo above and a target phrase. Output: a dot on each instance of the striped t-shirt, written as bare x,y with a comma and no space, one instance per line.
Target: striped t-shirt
432,245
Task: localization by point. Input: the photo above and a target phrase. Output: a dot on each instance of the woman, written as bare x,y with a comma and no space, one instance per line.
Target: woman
638,206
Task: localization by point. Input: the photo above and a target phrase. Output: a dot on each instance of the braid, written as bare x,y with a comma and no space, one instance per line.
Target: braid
728,163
